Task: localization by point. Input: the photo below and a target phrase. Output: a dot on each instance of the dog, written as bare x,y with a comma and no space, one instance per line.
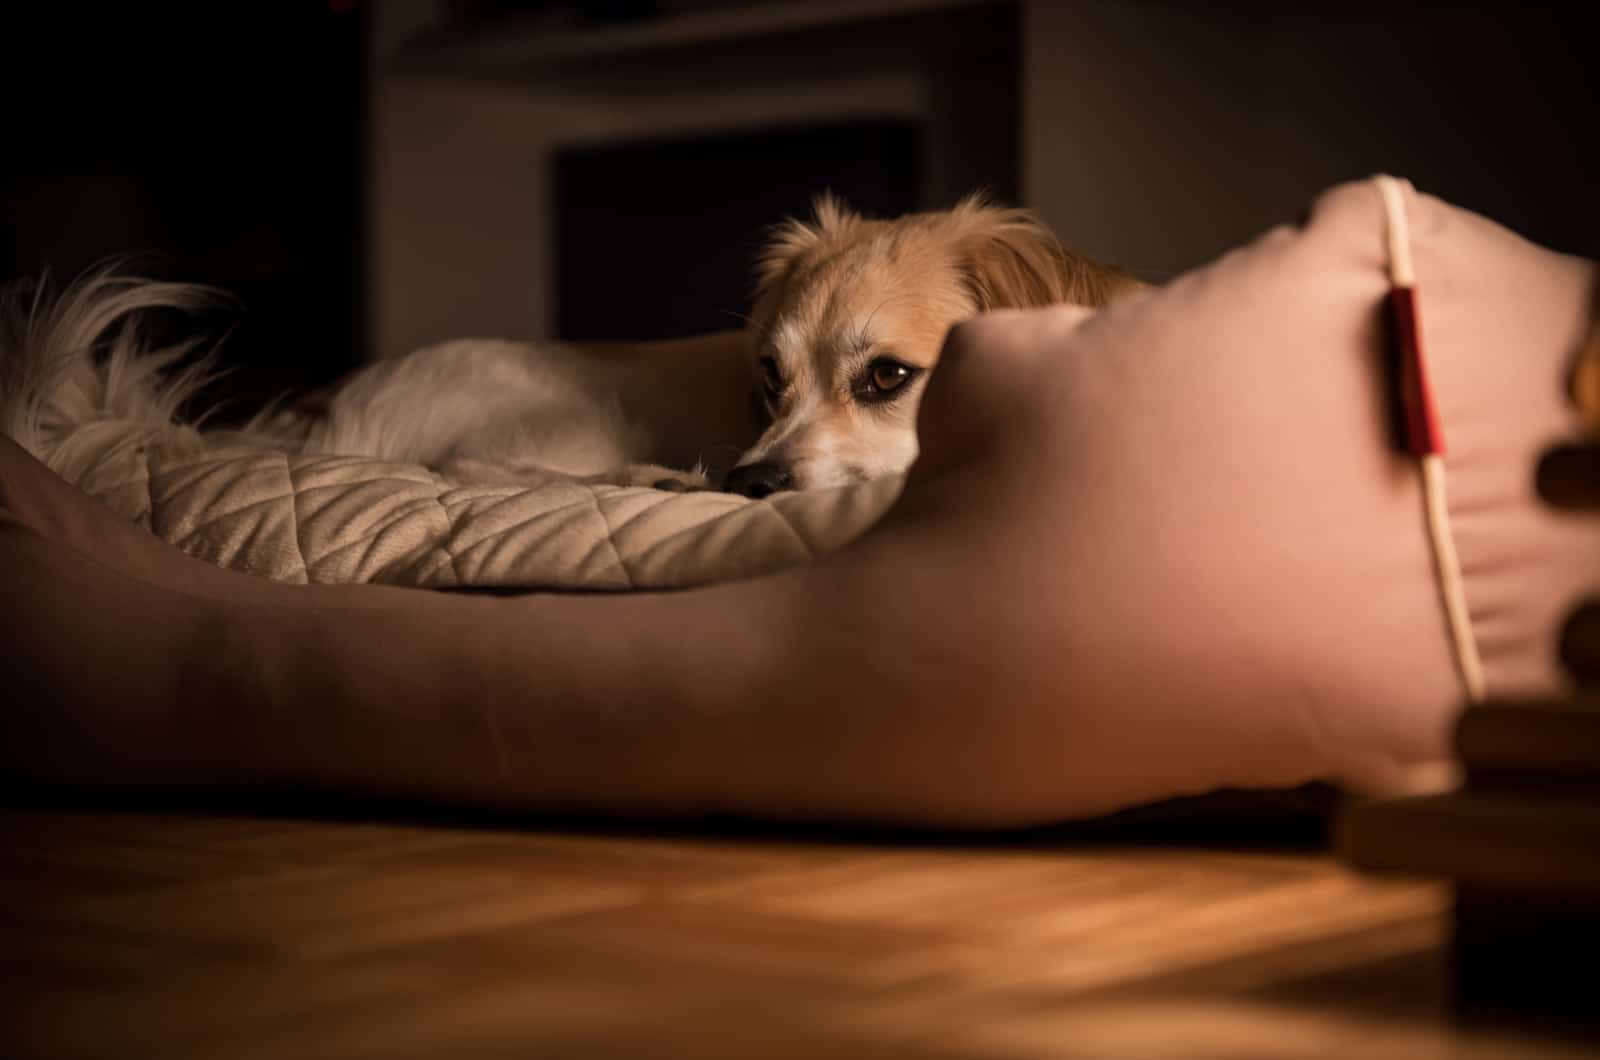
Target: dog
851,314
821,389
503,413
849,318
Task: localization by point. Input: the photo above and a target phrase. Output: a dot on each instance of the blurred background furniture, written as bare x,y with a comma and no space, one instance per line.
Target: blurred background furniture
1519,841
371,177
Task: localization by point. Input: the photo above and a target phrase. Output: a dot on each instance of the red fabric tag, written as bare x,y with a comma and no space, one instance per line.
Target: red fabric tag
1423,435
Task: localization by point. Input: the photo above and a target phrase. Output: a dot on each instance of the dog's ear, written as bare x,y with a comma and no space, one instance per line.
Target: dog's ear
790,240
1011,261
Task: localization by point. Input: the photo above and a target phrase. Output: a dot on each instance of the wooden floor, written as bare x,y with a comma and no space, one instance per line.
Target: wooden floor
178,935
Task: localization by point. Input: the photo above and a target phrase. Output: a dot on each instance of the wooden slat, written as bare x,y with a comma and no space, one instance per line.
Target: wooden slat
1522,838
1580,643
1538,743
1568,476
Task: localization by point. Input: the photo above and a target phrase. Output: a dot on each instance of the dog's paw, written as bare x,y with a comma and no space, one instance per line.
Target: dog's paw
665,478
471,471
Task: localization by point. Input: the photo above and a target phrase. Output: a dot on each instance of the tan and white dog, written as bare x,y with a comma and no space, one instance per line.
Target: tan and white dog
849,319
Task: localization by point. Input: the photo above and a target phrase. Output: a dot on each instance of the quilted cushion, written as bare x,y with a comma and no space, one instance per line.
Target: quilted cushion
328,520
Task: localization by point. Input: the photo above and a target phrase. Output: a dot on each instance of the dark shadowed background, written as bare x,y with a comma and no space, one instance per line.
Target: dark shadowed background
369,177
221,143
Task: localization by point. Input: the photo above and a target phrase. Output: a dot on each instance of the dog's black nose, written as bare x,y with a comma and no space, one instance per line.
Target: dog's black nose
758,480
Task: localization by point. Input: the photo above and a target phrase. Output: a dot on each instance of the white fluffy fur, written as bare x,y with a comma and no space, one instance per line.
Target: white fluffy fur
80,387
79,384
489,410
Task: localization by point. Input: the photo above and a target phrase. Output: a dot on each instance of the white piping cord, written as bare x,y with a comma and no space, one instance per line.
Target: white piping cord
1447,564
1450,581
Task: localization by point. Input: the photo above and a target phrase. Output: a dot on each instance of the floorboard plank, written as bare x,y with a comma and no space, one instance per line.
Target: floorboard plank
185,935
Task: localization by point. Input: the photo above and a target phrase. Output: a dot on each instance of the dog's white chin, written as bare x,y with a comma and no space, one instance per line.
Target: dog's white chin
813,478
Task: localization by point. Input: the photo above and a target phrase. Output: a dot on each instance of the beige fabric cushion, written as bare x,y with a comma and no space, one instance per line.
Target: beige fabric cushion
334,520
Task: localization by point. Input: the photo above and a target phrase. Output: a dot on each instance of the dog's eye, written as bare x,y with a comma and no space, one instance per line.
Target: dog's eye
771,380
884,378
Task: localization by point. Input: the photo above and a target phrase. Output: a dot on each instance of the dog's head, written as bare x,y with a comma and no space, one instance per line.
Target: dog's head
850,316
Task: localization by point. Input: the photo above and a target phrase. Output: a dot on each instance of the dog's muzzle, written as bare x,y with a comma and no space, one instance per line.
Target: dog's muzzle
758,480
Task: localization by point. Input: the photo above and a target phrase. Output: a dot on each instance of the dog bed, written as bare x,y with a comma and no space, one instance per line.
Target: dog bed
1235,585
